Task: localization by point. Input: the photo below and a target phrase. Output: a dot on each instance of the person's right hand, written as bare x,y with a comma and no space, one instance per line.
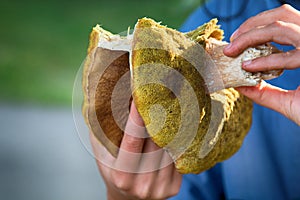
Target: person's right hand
280,25
161,183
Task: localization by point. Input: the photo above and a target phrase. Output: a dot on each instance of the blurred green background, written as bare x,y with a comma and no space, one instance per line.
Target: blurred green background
43,43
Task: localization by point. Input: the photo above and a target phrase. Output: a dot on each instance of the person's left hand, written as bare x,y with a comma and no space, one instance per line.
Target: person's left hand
280,25
142,170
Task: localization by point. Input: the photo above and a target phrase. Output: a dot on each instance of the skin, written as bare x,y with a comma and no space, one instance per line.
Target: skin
280,25
159,184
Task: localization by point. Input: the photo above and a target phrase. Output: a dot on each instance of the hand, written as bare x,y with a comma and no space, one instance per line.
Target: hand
280,25
127,178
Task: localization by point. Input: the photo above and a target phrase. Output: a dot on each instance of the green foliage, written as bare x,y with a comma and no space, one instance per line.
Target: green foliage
43,43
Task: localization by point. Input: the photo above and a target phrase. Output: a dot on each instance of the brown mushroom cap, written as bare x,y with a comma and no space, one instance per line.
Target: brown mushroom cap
105,106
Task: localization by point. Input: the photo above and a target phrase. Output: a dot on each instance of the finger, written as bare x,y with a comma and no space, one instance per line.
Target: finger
284,13
177,179
144,184
285,60
101,154
150,146
279,32
166,173
283,101
131,142
145,177
151,157
168,182
131,146
135,126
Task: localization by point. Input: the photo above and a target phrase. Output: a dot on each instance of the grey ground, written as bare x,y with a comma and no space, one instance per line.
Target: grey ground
41,156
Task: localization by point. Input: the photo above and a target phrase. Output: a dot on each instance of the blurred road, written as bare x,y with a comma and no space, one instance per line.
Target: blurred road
41,156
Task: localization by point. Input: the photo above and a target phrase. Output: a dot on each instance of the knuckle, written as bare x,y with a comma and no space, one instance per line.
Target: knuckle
121,185
286,55
143,193
290,59
287,59
251,41
133,144
144,189
269,62
120,181
297,45
285,7
240,44
278,24
133,141
245,41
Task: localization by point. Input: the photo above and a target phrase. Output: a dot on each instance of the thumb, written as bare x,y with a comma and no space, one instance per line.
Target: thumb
286,102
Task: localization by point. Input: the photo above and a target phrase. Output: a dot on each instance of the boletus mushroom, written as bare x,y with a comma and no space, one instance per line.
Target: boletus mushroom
181,84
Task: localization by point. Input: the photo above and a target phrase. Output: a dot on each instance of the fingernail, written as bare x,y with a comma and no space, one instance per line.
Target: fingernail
233,35
246,64
228,47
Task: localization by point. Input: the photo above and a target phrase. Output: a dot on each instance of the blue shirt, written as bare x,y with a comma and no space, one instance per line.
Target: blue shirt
268,164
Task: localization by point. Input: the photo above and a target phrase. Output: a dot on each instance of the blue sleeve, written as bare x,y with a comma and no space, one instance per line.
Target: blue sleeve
268,164
230,13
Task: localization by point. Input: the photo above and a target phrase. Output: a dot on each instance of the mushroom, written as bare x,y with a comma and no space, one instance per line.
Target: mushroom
181,84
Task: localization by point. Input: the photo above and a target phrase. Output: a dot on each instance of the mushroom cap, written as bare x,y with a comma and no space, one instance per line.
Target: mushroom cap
106,87
197,129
